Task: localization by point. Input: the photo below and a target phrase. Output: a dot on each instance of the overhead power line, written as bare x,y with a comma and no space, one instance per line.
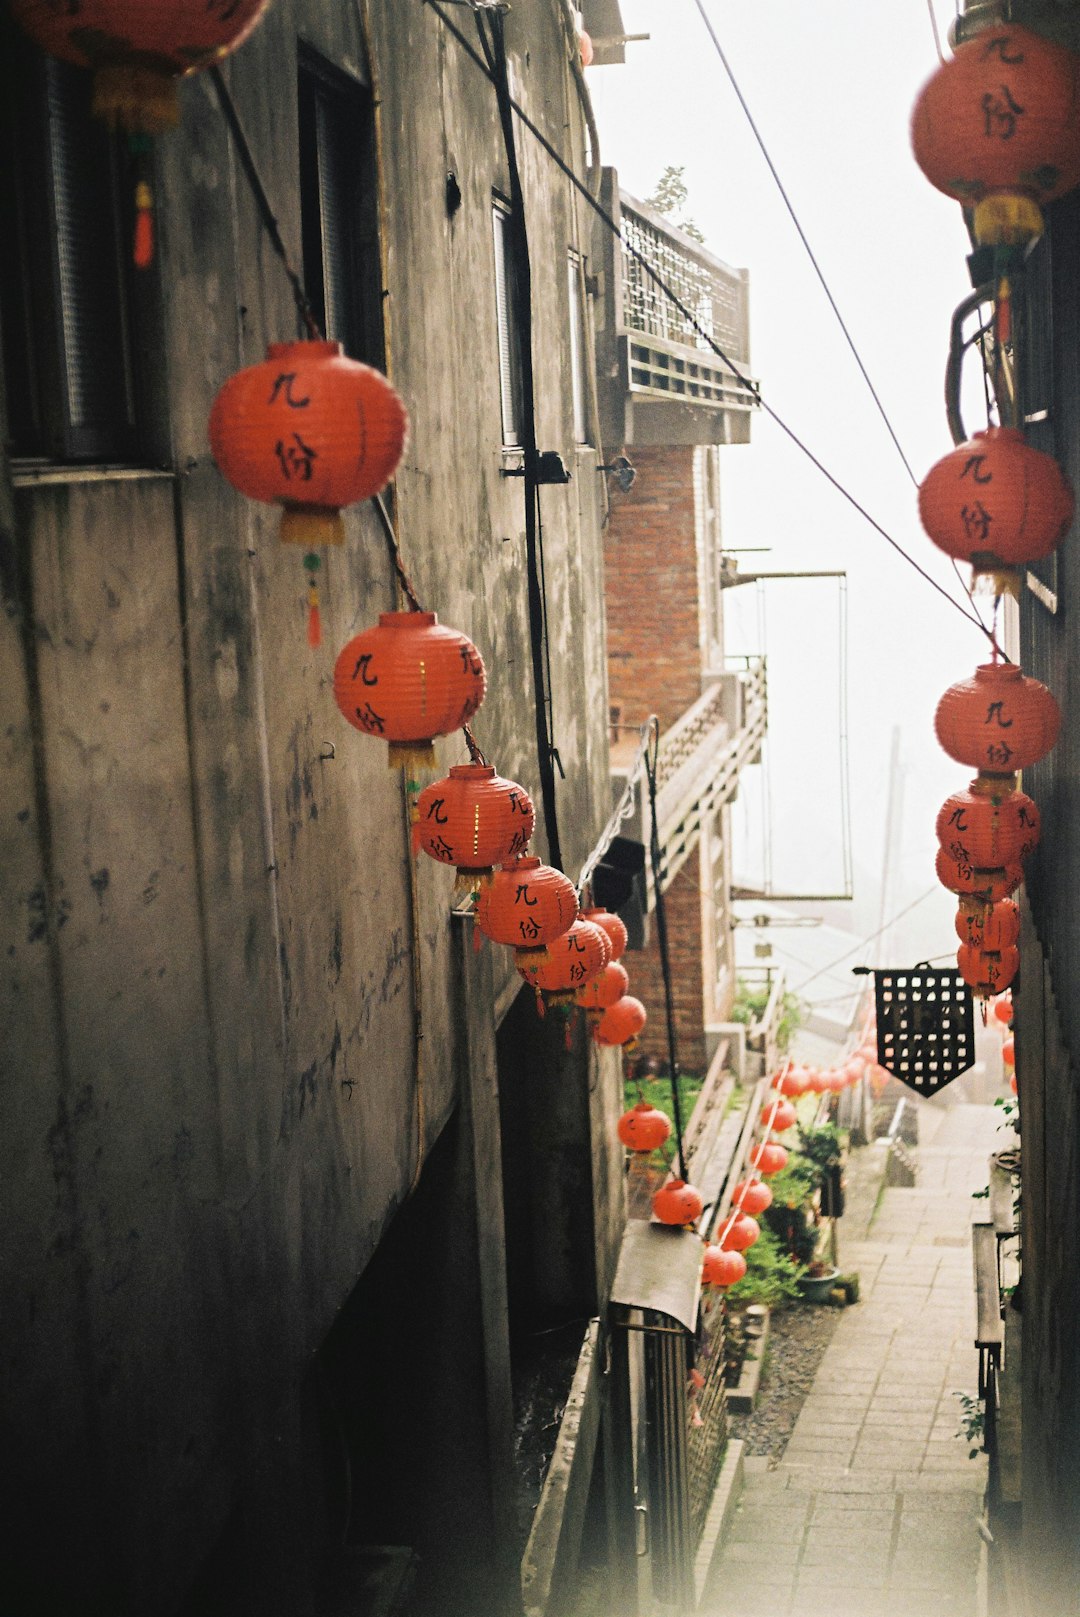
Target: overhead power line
811,255
706,336
823,971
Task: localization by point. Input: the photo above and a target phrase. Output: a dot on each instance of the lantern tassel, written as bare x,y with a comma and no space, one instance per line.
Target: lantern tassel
411,755
314,621
312,564
143,250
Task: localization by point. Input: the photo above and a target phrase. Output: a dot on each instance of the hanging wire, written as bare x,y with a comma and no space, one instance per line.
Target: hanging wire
262,202
491,34
937,35
706,337
819,272
656,856
766,756
845,757
623,811
862,942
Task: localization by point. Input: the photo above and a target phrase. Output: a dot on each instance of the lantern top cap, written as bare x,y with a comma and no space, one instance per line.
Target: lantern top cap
472,772
324,347
1011,671
997,432
396,620
524,861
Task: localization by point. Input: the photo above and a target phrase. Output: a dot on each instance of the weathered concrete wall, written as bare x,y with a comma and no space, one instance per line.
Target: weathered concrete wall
207,997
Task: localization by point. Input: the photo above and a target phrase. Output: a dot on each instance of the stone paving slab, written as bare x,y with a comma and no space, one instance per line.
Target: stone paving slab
874,1509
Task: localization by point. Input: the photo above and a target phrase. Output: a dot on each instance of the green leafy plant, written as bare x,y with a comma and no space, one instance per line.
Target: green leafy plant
771,1275
791,1218
823,1147
972,1422
750,1004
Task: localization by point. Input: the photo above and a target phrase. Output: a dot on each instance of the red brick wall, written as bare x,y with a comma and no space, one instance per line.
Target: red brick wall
651,586
683,908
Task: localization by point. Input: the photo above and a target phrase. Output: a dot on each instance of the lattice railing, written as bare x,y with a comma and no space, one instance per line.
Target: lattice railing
714,294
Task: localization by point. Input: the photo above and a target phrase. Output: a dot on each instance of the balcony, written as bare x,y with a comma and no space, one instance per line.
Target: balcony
659,381
701,758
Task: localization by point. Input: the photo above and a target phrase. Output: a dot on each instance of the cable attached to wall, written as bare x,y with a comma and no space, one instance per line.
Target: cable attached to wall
492,34
706,337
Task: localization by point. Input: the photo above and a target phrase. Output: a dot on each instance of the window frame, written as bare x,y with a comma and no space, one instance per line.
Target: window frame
51,334
508,351
579,350
339,107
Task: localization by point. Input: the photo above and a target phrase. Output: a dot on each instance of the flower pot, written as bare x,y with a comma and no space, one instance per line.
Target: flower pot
816,1288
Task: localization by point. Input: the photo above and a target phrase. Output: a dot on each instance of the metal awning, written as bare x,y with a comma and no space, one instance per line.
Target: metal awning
660,1269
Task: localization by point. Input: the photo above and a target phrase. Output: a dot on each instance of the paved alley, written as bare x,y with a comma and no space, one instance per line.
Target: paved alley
874,1509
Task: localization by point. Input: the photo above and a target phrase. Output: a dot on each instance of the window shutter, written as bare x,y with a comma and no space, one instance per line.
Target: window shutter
99,415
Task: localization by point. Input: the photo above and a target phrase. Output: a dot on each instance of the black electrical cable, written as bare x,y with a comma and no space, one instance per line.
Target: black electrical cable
656,855
706,337
262,202
493,43
789,205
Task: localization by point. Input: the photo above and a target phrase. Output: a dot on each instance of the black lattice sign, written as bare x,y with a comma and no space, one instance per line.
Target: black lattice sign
925,1026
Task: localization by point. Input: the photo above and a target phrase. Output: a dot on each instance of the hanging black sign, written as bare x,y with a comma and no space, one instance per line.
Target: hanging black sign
925,1026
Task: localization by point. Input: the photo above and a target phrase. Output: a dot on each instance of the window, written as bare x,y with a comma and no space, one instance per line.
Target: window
507,321
578,350
338,207
70,309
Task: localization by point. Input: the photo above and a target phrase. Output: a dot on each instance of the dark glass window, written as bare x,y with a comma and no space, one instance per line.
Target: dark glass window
339,209
68,311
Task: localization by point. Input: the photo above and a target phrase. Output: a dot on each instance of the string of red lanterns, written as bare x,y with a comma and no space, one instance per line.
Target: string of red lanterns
995,127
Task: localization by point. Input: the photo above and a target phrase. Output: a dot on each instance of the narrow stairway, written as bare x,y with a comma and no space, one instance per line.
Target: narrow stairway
875,1508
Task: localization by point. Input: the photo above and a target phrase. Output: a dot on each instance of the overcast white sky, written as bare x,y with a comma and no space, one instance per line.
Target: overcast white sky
830,84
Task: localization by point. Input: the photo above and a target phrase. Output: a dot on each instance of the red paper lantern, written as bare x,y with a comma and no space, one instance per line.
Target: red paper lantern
987,972
621,1023
778,1115
792,1081
138,48
644,1127
585,47
752,1196
721,1267
526,907
998,721
1008,1052
818,1081
310,430
855,1068
1013,1085
575,957
996,928
1001,120
836,1080
988,825
1003,1009
768,1158
408,680
599,995
987,886
741,1236
677,1203
475,820
996,502
611,925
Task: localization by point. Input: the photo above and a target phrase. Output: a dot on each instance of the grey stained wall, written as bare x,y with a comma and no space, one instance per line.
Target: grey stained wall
208,981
